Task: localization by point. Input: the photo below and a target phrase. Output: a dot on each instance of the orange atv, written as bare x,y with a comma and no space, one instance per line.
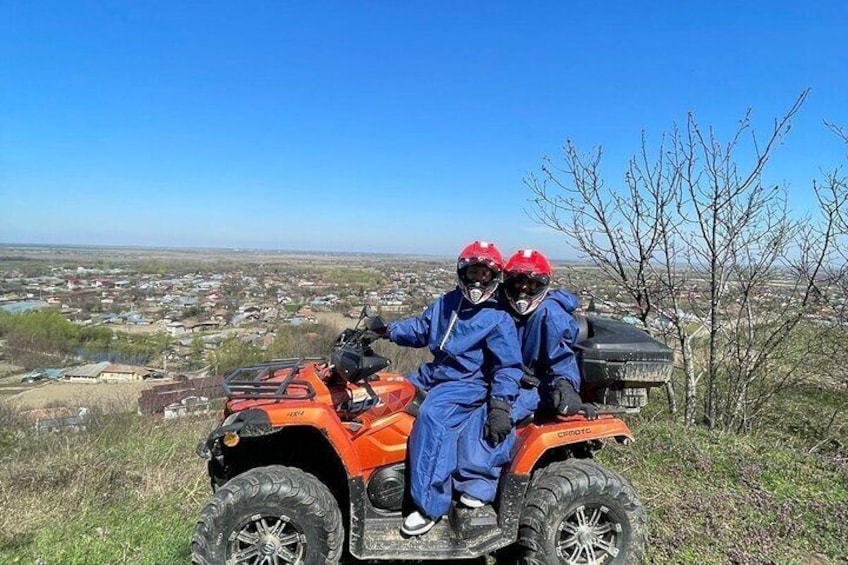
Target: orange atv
312,451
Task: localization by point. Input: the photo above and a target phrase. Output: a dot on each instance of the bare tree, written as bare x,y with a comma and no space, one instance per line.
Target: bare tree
701,244
832,192
617,229
738,231
621,231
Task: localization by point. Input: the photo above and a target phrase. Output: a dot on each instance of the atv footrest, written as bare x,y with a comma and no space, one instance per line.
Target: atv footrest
382,539
471,522
375,534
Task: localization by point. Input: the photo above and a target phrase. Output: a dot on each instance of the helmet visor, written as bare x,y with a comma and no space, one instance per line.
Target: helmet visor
524,285
478,272
478,282
525,292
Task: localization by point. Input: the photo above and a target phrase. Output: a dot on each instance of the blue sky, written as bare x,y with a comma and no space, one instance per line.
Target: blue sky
400,127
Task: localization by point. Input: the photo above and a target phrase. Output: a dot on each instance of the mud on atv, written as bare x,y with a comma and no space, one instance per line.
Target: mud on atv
311,452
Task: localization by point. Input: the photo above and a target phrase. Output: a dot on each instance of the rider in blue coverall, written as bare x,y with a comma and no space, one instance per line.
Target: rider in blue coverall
547,330
476,361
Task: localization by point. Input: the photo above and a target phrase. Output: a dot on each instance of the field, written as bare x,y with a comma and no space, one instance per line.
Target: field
334,319
76,394
116,396
12,385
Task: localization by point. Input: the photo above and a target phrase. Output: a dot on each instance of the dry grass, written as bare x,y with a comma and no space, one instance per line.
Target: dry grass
335,320
123,396
95,478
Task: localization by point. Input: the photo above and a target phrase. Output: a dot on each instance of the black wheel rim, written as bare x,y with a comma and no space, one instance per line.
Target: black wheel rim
589,535
266,540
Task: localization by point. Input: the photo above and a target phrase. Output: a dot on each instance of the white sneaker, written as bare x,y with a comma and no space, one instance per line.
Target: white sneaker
416,524
471,502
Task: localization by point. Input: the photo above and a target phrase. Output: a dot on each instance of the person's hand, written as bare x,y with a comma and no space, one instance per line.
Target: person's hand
589,410
377,326
375,332
371,335
566,401
498,424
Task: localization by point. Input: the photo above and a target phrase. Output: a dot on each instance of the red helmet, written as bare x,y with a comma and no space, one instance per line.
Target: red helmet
527,276
478,285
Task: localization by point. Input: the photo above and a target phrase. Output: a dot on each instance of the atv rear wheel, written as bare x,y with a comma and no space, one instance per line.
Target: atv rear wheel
271,515
579,512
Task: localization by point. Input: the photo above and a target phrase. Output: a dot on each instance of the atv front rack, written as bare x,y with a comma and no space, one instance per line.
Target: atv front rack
254,381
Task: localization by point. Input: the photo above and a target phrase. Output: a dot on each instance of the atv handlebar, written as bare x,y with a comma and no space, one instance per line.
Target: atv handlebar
352,358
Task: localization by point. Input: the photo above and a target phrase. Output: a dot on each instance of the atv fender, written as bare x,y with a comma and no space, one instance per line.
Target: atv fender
325,420
534,441
307,414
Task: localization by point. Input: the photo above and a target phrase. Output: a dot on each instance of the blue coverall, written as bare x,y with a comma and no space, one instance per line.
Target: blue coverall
546,336
476,354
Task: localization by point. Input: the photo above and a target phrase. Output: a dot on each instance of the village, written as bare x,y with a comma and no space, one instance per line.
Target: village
196,300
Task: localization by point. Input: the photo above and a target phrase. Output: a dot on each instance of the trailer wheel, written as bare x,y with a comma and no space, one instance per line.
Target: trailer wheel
579,512
276,514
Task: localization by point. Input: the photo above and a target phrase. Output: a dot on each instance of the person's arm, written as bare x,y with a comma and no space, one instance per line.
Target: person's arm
414,331
507,368
507,371
561,331
564,373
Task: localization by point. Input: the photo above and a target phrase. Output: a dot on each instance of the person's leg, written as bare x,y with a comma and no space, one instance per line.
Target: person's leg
433,444
479,464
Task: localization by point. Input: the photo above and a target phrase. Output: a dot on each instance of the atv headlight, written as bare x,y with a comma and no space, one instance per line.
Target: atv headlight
230,439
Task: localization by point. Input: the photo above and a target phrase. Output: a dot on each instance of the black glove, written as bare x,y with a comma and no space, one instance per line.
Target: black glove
498,424
377,326
371,335
566,401
589,410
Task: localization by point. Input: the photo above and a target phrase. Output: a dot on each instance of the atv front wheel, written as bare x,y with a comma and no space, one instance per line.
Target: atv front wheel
271,515
579,512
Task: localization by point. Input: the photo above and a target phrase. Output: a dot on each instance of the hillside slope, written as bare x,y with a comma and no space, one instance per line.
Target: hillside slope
129,489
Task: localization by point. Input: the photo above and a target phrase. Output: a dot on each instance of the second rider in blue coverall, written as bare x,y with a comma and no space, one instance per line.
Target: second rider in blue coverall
476,362
547,330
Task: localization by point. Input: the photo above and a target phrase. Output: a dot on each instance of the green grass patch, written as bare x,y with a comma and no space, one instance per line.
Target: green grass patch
129,489
149,532
718,497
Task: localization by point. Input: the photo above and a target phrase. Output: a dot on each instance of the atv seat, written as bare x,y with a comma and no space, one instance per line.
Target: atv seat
415,404
526,421
420,395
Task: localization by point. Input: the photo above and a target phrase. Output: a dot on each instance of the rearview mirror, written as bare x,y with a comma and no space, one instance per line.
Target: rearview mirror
375,324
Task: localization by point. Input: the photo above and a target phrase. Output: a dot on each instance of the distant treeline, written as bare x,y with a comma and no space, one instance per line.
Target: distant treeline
46,337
